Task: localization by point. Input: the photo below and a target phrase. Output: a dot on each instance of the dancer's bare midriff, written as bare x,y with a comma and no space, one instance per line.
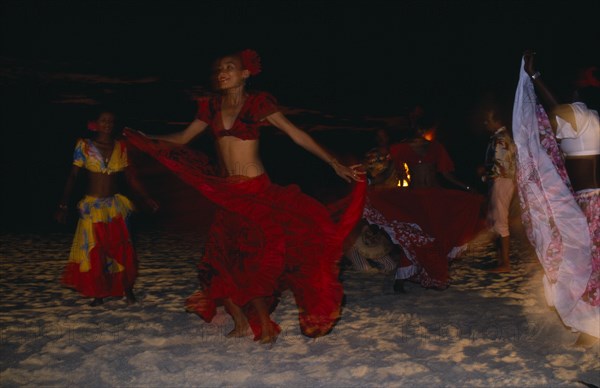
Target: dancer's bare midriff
584,171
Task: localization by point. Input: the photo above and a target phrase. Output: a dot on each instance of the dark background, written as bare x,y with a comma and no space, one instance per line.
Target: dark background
347,60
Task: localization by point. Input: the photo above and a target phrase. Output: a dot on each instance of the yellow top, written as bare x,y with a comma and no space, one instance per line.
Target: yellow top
88,156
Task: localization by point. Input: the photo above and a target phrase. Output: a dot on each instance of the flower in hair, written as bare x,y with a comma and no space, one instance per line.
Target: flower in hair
251,61
92,126
588,78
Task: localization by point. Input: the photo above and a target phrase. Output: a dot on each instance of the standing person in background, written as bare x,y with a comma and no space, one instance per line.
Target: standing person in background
102,262
426,158
500,165
559,185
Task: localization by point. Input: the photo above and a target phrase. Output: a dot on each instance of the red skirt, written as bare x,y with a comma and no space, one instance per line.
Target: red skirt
264,239
450,217
102,261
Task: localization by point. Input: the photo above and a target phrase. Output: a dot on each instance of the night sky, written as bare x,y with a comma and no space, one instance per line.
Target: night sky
373,58
319,53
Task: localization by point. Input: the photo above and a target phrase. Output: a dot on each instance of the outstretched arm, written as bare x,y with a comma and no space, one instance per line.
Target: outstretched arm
305,141
547,98
182,137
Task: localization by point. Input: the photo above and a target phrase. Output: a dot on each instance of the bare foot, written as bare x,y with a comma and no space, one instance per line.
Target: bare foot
267,340
500,269
268,335
238,331
585,341
240,322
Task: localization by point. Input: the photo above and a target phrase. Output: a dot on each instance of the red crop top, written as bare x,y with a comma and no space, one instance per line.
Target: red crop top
256,108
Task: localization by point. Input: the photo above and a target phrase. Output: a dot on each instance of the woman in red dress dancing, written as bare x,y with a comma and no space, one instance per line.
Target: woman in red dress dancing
265,238
431,223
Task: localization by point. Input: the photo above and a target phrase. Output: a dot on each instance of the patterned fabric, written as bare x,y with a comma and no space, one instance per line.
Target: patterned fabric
371,251
500,156
102,261
444,219
380,168
384,263
251,117
550,146
429,223
589,201
88,156
372,242
266,238
419,249
552,218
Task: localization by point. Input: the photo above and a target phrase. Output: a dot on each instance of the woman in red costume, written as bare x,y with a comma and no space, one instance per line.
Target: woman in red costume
430,222
265,238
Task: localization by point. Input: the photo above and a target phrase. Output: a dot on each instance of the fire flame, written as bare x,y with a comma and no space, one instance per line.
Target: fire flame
429,134
406,181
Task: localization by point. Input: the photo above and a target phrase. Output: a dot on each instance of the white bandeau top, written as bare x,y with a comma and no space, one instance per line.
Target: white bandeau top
584,141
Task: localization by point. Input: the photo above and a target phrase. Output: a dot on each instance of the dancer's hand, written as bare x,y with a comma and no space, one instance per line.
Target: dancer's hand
355,172
528,57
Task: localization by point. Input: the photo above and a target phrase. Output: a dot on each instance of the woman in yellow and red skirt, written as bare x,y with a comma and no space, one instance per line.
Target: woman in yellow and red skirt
102,262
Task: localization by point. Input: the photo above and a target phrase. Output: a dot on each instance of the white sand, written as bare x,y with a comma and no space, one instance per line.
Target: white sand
485,330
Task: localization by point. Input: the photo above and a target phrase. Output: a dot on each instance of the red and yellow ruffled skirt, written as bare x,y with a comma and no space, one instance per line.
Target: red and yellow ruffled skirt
102,261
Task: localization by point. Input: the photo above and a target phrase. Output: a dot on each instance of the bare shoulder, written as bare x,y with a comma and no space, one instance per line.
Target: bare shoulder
564,111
